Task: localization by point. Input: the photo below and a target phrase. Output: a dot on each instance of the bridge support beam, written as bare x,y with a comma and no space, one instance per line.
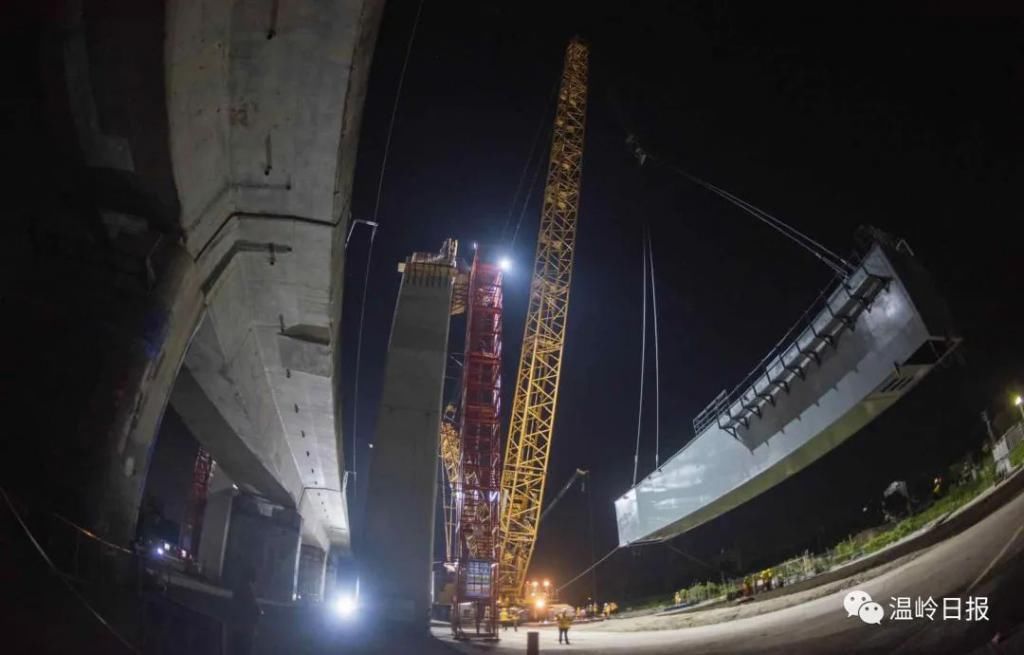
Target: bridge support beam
399,525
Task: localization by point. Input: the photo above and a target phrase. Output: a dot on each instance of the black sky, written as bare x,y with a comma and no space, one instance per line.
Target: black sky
912,124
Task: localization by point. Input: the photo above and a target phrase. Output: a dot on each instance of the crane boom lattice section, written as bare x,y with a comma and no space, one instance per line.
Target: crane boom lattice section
540,362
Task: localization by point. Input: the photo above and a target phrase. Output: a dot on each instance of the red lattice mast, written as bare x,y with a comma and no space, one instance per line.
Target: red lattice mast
191,530
477,498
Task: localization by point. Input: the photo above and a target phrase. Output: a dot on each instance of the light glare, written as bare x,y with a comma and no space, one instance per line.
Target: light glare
345,606
505,264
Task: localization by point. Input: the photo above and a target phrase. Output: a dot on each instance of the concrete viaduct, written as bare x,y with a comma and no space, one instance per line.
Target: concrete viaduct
180,243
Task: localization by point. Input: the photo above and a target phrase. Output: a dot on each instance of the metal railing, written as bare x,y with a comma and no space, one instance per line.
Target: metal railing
833,312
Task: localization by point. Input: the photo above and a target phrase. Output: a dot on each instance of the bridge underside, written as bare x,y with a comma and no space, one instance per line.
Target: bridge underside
185,209
875,337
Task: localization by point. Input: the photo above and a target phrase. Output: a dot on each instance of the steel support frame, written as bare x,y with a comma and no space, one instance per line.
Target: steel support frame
479,483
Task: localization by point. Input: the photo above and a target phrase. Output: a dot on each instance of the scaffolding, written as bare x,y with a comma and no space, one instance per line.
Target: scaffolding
478,480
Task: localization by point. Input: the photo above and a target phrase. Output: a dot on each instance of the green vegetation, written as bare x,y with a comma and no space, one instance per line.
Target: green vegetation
956,497
807,565
1017,455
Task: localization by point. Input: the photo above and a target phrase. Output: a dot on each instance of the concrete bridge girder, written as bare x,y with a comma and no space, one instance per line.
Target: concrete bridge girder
204,154
264,100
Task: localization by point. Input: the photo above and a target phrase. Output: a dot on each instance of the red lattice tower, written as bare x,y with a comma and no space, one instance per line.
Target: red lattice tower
202,469
477,496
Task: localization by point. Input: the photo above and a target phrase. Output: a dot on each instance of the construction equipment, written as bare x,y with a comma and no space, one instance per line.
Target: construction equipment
450,455
579,474
192,526
476,492
540,362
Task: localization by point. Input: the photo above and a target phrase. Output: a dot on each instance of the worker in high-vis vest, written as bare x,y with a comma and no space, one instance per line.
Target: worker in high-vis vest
564,621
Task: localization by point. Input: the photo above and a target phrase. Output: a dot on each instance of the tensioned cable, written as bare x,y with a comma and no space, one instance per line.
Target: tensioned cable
590,538
394,108
689,556
526,201
544,121
589,568
369,251
826,256
57,572
657,353
643,357
818,250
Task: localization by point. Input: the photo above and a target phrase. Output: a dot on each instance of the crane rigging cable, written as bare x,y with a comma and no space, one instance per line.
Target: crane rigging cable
647,272
815,248
589,568
578,474
537,166
373,233
657,353
643,357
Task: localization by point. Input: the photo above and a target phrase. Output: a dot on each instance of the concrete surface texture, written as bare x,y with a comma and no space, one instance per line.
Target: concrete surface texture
200,157
399,525
986,560
264,100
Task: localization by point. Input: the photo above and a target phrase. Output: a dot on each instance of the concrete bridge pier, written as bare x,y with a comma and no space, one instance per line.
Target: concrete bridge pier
399,526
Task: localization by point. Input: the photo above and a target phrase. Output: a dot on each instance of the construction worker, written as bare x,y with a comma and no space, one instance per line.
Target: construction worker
604,610
677,599
504,619
564,621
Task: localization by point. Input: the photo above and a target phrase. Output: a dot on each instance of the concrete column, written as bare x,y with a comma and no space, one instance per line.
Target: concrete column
216,526
265,537
312,571
402,486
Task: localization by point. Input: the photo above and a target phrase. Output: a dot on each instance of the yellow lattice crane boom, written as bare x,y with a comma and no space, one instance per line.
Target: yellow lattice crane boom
525,465
450,456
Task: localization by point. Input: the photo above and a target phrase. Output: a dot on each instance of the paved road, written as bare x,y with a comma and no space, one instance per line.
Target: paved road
985,560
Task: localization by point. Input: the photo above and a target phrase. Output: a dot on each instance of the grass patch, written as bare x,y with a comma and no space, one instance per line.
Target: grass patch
799,568
955,498
1017,455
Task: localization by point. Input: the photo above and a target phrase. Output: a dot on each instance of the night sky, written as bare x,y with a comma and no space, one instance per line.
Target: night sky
911,124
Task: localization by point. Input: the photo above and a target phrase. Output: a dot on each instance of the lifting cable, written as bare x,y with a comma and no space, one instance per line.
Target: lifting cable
643,357
538,166
826,256
657,354
369,253
842,267
589,568
648,273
